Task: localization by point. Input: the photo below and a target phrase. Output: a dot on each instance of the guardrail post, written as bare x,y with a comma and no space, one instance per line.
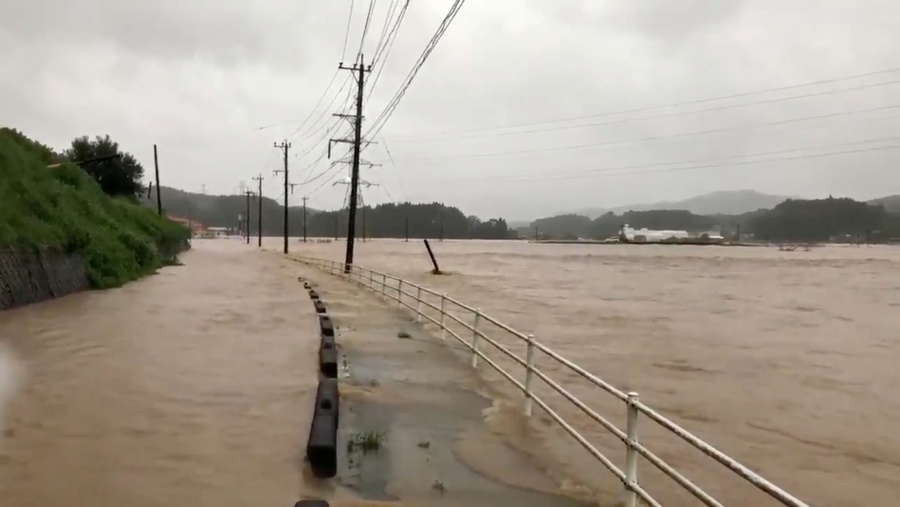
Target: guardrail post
418,303
443,327
372,280
384,284
475,338
529,373
631,455
399,293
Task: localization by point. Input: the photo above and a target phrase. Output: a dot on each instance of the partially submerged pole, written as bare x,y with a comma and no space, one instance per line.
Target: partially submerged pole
436,270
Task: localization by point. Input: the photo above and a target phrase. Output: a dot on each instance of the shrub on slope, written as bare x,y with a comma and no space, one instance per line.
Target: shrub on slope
63,207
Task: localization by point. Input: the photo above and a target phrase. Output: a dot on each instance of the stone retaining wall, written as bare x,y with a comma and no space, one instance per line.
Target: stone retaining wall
30,276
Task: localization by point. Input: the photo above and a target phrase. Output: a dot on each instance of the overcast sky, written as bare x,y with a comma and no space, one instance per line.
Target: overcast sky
512,115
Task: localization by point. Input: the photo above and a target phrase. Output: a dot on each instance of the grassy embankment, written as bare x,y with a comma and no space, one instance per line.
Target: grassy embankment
64,208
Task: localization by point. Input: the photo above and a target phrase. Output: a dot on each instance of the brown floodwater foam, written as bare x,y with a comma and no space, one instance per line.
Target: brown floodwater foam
784,360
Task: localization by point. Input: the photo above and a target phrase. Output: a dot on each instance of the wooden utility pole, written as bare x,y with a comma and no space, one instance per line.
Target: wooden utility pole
158,193
285,146
259,180
360,69
304,218
247,219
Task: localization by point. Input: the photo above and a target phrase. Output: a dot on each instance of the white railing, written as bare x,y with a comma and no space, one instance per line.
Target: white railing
414,297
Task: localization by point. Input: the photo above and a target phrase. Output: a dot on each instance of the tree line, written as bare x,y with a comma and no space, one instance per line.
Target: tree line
414,220
799,220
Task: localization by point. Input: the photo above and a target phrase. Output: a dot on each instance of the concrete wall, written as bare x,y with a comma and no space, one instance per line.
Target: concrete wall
28,276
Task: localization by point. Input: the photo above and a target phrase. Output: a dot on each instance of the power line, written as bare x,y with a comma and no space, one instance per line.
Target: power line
362,39
347,33
676,113
628,169
392,105
384,27
322,115
313,110
386,48
683,103
655,138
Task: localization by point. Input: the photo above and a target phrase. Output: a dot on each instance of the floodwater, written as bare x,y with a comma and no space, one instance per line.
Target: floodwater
191,387
788,361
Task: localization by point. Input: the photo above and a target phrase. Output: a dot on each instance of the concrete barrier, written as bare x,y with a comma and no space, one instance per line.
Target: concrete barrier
33,275
326,326
321,447
320,306
328,360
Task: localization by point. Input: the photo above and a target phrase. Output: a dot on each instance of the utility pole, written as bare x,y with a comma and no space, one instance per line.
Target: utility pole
247,220
304,218
259,180
360,69
285,146
407,228
158,193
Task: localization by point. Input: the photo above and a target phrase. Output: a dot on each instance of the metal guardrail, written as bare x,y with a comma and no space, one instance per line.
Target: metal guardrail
417,296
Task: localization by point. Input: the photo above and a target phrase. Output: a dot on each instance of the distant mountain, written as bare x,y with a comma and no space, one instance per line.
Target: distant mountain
726,202
891,203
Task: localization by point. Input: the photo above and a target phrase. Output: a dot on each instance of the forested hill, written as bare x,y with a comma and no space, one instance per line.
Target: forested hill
385,220
792,220
433,220
223,210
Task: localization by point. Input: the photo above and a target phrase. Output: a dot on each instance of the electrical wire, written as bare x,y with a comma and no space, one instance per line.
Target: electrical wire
384,27
362,39
386,49
306,133
325,182
659,137
704,163
681,113
318,102
683,103
347,33
392,105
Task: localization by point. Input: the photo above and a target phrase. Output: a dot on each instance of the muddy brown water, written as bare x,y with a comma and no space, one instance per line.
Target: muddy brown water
787,361
183,388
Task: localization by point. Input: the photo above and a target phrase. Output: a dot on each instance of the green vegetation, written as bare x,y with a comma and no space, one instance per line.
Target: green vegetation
366,442
818,220
62,207
117,176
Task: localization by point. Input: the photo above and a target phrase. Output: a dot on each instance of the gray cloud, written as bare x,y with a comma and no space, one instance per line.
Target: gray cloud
198,78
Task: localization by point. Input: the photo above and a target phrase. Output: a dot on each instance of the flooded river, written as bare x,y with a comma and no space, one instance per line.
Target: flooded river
190,387
787,361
